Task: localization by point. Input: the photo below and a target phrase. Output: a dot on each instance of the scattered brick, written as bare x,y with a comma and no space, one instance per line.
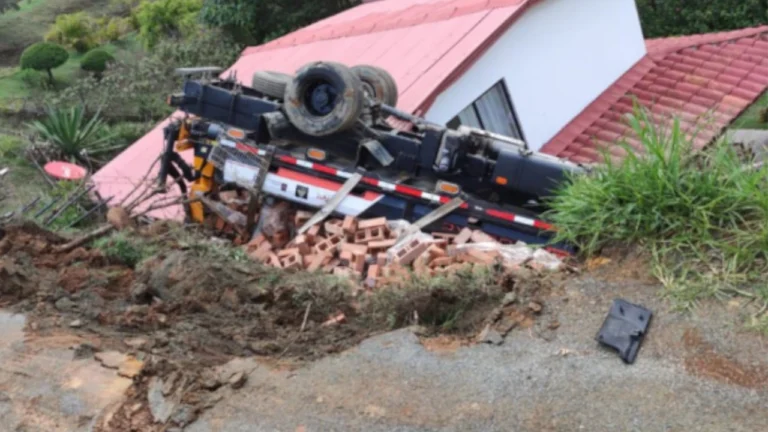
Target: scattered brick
314,232
409,252
381,245
354,249
381,259
346,257
359,263
369,235
293,261
274,261
372,223
349,226
441,262
328,246
333,227
334,320
286,252
302,243
318,261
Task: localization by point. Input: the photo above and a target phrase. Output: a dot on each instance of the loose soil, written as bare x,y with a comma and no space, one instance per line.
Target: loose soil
184,314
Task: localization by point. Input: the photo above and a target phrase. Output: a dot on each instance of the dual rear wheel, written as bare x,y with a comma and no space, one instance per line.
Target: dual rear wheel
324,98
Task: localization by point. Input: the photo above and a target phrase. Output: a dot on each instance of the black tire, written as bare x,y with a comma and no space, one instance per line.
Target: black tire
324,98
271,84
378,83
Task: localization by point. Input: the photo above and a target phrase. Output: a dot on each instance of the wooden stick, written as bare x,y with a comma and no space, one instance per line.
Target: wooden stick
98,232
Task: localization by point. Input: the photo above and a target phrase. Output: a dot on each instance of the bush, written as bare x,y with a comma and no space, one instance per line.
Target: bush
159,19
128,250
113,29
73,30
702,216
44,56
96,61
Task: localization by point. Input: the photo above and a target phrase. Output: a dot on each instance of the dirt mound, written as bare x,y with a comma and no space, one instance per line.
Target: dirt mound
186,311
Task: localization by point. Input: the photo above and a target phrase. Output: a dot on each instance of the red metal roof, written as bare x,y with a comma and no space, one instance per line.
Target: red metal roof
705,81
425,44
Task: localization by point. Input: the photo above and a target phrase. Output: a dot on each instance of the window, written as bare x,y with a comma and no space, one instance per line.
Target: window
492,111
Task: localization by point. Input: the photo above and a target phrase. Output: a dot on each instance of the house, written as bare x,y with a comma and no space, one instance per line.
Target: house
560,74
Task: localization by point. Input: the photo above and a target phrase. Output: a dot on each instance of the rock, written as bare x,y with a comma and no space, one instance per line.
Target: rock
110,359
140,293
84,350
210,381
535,307
130,368
238,380
159,406
76,323
64,304
119,218
136,343
490,336
184,415
264,347
509,298
543,260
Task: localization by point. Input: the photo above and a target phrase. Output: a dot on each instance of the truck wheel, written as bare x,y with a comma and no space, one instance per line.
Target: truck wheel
378,83
271,84
324,98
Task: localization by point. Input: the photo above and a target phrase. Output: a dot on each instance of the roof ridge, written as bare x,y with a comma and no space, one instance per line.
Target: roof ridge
665,45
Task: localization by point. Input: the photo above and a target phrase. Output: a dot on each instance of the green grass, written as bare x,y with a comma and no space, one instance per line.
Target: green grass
754,117
702,217
12,87
21,28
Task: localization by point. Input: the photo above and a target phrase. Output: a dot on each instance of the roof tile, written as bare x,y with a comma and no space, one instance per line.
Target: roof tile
704,81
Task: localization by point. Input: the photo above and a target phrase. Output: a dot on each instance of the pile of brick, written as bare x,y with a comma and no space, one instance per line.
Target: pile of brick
372,252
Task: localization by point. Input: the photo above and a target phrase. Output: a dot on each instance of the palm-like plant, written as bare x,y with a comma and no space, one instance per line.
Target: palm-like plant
77,137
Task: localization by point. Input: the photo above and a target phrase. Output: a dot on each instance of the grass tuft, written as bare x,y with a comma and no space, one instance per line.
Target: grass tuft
703,216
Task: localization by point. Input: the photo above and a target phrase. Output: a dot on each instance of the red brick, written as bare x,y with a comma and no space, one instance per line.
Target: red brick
436,252
381,259
274,261
359,263
478,257
463,236
349,226
354,249
328,268
381,245
372,223
286,252
256,241
346,257
333,227
370,235
319,261
408,253
302,243
293,261
329,245
441,262
314,232
372,278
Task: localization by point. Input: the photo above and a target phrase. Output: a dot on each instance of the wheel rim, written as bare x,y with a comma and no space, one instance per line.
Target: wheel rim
321,98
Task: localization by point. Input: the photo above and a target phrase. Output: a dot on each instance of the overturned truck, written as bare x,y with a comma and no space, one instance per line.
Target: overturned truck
330,137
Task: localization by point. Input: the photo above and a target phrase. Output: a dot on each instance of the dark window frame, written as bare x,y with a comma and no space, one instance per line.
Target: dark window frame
502,83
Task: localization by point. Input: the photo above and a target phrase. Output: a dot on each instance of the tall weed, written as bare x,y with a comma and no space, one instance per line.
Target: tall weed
703,216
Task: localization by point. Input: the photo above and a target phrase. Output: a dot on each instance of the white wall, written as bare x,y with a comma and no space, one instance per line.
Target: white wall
556,59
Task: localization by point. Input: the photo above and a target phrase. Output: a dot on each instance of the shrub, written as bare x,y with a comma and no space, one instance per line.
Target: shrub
77,137
129,250
44,56
113,29
166,18
96,61
702,216
73,30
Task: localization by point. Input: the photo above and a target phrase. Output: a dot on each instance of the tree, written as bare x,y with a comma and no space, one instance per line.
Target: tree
44,56
166,18
679,17
257,21
8,5
74,30
96,61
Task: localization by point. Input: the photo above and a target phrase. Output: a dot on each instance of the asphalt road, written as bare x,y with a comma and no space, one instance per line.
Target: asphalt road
696,372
